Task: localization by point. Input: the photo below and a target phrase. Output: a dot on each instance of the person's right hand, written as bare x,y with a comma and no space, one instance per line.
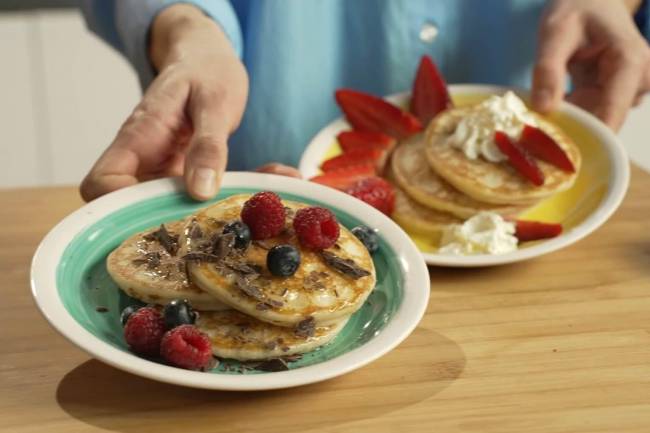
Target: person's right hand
182,124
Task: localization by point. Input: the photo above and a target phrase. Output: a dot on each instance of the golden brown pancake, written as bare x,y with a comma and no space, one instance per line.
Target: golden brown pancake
414,175
490,182
317,291
143,269
237,336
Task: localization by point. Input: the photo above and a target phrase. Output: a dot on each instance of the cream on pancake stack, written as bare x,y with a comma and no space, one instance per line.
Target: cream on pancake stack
455,170
247,313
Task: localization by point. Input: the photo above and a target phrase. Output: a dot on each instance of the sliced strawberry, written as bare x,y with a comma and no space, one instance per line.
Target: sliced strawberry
519,159
430,95
353,140
376,192
356,157
344,177
539,144
368,113
535,230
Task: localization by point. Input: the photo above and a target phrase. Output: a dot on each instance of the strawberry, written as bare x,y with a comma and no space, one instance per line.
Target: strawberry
352,140
535,230
542,146
356,157
368,113
519,159
344,177
430,95
376,192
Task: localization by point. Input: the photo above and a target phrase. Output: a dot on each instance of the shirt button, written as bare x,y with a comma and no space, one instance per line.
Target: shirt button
428,32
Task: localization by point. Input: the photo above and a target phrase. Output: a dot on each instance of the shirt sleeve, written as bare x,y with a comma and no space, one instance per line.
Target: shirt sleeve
642,19
125,25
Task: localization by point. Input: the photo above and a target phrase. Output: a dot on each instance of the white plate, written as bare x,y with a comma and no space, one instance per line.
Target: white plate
617,185
411,267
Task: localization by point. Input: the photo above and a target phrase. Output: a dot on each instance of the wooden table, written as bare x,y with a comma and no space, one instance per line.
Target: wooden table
557,344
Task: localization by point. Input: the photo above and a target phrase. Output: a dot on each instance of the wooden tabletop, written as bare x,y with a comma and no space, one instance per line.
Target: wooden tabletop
556,344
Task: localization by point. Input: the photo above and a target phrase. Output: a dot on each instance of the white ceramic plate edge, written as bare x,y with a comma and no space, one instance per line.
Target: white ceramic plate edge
619,168
406,318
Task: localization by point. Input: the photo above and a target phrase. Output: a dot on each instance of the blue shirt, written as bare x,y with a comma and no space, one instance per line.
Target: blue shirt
297,52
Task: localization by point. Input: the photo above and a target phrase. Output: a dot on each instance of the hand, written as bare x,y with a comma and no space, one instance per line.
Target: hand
182,124
607,57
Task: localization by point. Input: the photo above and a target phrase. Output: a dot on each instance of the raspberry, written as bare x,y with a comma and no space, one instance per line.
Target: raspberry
316,228
376,192
264,214
143,331
187,347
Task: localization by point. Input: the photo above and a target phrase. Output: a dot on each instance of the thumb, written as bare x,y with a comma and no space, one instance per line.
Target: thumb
207,155
557,43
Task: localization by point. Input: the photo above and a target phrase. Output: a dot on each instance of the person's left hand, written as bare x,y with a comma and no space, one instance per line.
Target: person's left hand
597,42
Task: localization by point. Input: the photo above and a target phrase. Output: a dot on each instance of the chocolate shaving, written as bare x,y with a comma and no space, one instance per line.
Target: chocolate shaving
270,345
263,306
305,328
293,358
195,231
162,236
250,270
101,309
249,288
201,257
152,260
312,281
346,267
273,365
223,244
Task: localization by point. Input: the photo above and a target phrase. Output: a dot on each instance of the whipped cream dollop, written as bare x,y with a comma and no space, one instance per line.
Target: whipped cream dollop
484,233
474,134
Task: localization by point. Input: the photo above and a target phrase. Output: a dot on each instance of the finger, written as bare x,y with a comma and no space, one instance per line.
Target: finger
557,43
281,169
207,155
115,169
621,78
119,165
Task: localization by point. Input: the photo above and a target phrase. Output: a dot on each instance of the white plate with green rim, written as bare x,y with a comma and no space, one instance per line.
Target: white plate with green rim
596,194
69,282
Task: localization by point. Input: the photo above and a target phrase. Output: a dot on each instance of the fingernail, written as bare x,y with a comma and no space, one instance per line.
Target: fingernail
204,182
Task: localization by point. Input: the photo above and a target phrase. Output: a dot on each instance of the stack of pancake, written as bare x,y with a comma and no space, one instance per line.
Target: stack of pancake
437,185
247,313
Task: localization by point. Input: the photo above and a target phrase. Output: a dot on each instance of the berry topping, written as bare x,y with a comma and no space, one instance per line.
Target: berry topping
178,312
242,234
344,177
283,260
126,313
368,237
536,230
519,159
143,331
316,228
187,347
264,214
376,192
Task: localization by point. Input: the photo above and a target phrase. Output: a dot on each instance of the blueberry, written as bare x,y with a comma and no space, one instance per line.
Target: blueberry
283,260
126,313
178,312
368,237
241,231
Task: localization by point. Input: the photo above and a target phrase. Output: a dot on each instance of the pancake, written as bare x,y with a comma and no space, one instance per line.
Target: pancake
414,175
237,336
316,294
490,182
143,269
416,218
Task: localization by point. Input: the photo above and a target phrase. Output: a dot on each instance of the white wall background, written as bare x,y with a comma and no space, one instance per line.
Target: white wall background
64,94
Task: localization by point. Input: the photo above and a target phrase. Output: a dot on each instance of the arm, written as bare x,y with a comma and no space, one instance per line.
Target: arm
186,115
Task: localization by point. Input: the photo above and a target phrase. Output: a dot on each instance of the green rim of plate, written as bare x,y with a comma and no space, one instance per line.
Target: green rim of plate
92,298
